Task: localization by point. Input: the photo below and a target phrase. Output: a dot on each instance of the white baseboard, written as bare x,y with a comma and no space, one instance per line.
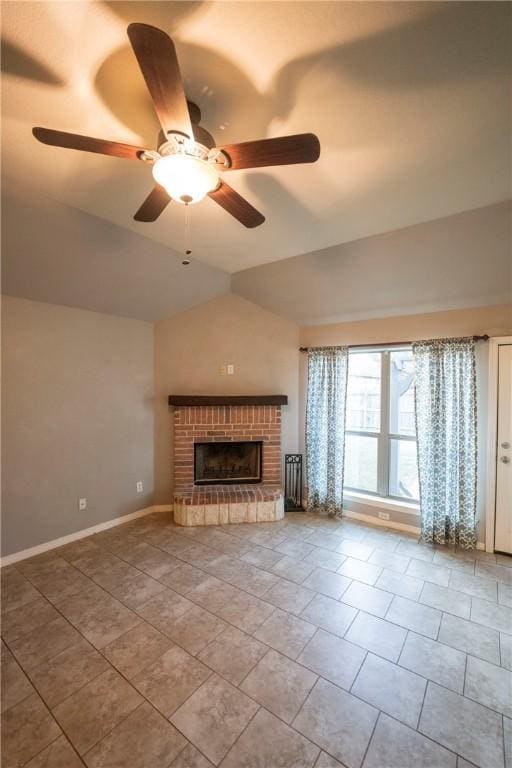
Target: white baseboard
391,524
383,523
60,542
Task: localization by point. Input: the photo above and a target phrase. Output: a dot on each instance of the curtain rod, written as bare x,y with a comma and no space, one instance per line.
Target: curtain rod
485,337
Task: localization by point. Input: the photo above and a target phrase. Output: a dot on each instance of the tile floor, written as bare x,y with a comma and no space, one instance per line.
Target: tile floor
298,644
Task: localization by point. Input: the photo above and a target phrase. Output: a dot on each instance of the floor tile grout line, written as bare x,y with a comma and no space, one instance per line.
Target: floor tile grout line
244,678
62,734
291,725
54,719
260,707
97,650
111,666
319,677
418,674
158,629
168,717
35,691
100,650
40,627
371,737
422,705
134,610
407,633
144,572
78,689
236,557
127,680
505,750
25,675
435,682
402,537
358,611
419,733
122,720
357,675
180,752
364,701
120,601
397,664
206,609
202,649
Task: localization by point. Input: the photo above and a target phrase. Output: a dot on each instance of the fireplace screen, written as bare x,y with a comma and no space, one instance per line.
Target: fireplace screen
227,462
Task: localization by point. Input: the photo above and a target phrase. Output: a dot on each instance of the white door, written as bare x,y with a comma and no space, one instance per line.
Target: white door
503,526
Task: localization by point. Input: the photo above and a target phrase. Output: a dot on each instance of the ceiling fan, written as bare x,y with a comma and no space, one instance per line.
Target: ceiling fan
187,163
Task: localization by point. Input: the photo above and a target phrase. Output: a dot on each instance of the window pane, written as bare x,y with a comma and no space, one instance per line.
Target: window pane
403,469
363,391
401,393
361,462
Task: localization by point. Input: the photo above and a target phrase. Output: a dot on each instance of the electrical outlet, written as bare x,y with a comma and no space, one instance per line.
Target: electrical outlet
222,370
384,515
231,369
140,487
82,504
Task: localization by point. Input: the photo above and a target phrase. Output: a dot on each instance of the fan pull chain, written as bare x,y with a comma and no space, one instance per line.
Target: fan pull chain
188,237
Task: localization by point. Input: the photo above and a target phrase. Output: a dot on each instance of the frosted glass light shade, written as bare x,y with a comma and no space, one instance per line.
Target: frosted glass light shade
186,179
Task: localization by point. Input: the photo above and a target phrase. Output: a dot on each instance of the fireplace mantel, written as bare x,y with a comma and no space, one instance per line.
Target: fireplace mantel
194,400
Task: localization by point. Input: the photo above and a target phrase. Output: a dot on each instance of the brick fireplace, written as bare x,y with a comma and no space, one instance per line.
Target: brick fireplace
222,420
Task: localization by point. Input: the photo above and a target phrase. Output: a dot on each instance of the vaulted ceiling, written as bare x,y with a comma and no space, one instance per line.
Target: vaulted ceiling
409,100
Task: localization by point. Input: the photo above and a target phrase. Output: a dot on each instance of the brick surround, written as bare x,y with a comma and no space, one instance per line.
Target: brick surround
223,504
221,423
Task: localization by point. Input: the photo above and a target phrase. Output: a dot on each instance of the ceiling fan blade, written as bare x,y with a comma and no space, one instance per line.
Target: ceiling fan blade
153,205
157,59
87,143
236,205
285,150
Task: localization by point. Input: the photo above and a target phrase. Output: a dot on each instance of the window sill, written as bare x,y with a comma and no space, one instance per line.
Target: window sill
394,505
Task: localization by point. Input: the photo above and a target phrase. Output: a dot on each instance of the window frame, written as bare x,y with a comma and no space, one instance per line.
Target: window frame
384,436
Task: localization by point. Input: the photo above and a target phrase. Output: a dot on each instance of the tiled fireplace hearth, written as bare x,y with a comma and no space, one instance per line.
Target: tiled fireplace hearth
232,483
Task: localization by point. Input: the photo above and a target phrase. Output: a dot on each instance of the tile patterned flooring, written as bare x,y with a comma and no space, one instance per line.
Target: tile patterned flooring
305,643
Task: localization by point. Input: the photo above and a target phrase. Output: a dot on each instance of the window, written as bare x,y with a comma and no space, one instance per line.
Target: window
380,445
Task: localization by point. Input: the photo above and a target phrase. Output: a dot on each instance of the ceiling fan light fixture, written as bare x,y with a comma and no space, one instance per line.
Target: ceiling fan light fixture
185,178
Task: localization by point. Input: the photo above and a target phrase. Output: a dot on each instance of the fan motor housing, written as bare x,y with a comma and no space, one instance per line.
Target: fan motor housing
177,144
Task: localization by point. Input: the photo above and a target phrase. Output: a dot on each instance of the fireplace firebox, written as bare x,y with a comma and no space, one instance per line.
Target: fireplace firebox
228,462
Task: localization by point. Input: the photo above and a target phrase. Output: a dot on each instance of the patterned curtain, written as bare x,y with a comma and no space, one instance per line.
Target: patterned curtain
447,440
325,428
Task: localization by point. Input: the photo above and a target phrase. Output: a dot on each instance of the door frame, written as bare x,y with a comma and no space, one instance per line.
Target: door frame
492,434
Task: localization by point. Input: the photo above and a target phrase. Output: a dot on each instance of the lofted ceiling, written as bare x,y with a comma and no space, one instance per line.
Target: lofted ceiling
454,262
57,254
409,100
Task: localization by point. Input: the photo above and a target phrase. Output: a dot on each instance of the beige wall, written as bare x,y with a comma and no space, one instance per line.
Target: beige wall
456,262
493,320
191,347
77,419
82,391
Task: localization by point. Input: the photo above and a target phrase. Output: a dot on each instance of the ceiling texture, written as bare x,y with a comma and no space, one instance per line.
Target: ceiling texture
410,102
